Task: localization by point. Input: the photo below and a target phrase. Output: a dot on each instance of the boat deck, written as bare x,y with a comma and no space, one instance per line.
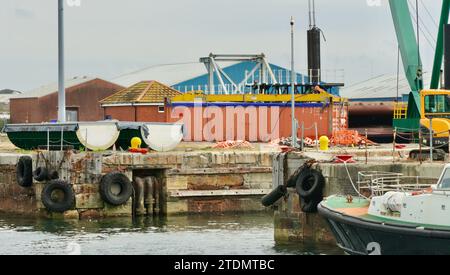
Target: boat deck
359,208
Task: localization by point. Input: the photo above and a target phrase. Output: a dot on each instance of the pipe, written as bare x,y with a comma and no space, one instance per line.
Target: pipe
138,202
148,195
156,196
294,123
61,85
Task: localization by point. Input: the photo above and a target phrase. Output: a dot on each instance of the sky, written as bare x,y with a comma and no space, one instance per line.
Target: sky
109,38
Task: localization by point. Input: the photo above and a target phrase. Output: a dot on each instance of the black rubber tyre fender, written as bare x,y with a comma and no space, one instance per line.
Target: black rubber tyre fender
310,184
271,198
53,175
309,206
59,205
118,181
24,171
41,174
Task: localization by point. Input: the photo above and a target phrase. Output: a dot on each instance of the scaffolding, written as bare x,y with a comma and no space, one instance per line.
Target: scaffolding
215,70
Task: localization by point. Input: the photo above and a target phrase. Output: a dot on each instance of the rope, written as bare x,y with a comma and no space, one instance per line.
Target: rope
312,127
351,181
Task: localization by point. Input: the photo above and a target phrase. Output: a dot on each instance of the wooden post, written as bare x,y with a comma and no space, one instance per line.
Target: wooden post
317,136
420,146
431,140
303,136
62,138
48,139
394,145
367,152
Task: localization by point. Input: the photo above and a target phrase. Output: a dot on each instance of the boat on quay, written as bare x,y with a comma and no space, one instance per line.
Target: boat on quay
394,215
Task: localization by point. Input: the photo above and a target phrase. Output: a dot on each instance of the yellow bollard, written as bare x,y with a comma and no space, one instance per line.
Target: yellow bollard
324,143
136,143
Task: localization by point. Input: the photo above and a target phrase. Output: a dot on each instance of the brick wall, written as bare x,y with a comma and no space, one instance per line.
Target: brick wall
135,113
85,97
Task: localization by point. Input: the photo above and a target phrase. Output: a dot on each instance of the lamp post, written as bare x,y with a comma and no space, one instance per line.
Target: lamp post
293,78
61,88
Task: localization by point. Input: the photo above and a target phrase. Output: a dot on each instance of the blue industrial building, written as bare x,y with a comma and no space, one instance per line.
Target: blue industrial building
187,77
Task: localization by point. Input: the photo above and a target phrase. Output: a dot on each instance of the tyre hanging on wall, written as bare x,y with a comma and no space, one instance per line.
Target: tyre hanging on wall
271,198
58,196
309,206
41,174
310,184
53,174
24,171
115,188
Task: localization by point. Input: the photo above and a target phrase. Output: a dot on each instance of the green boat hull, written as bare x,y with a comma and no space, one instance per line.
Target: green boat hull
36,140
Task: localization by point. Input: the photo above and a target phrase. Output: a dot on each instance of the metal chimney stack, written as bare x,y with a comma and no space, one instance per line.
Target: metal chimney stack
314,60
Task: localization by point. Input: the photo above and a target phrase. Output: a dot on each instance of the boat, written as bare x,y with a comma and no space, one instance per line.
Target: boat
401,216
94,136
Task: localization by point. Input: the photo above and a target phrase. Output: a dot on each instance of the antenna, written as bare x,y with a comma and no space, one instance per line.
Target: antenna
314,12
310,14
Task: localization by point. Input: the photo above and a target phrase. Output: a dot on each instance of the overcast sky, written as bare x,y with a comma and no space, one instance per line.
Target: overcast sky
108,38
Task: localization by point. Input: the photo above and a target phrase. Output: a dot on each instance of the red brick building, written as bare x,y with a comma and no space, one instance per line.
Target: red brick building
83,97
144,101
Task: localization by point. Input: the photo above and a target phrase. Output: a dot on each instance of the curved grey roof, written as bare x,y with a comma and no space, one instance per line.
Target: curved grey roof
381,87
6,94
169,74
53,87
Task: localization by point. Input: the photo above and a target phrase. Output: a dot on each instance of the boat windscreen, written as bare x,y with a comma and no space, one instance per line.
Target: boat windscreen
445,181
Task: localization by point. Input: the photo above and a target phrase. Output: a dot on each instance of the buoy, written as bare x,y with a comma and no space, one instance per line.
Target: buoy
136,143
324,142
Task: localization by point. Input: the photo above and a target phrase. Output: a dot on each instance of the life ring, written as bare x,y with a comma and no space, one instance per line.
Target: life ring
24,171
310,184
115,188
58,196
41,174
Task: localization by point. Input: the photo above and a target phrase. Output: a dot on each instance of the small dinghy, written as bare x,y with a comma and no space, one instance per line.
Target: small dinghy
98,136
402,216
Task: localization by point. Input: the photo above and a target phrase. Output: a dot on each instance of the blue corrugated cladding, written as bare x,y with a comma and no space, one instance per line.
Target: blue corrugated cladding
237,73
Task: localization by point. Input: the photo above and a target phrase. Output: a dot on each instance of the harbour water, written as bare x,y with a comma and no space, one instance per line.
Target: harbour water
249,234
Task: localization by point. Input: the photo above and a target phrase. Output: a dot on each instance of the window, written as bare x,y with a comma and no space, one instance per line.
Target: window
72,114
445,182
437,104
161,109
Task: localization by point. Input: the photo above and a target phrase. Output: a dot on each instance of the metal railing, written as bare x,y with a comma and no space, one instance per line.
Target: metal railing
379,183
400,110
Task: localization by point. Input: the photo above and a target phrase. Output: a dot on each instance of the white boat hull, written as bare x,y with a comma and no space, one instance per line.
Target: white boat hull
162,137
98,136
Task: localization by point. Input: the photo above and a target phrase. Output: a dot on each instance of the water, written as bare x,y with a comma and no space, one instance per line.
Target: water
186,235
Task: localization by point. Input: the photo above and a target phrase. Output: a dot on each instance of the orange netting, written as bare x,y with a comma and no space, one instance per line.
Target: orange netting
229,144
349,138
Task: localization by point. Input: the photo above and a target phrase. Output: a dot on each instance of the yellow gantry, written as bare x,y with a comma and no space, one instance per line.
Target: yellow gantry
319,95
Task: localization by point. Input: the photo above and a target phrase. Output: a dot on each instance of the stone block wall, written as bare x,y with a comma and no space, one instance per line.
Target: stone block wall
194,171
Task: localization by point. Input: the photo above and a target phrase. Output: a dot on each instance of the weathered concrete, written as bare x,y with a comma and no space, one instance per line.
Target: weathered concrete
292,225
175,171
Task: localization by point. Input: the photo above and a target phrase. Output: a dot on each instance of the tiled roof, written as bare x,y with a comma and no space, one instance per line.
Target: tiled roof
142,92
